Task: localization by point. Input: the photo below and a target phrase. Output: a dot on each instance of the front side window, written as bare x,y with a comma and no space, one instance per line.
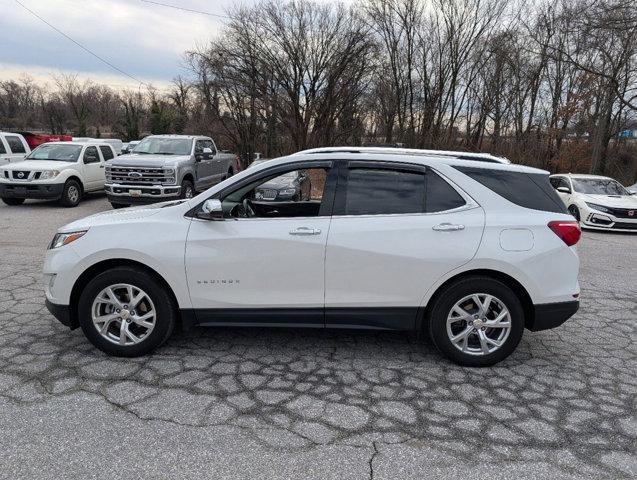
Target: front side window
90,155
383,192
599,186
163,146
56,152
297,193
2,149
107,152
15,144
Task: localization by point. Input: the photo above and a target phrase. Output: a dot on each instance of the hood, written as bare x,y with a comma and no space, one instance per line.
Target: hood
613,201
37,165
118,216
150,160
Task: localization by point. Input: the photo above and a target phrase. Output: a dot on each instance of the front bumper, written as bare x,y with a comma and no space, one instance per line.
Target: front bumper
45,191
133,194
551,315
602,221
62,313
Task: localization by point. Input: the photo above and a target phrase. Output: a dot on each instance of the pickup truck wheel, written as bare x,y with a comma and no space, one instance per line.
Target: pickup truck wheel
125,312
119,205
13,201
72,194
230,173
476,321
187,189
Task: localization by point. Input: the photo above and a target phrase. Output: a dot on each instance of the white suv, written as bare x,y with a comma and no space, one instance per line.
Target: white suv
471,252
62,171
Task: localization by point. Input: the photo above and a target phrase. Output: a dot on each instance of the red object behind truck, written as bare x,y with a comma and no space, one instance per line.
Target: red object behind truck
35,139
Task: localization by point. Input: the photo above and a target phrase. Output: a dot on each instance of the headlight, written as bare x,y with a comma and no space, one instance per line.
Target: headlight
601,208
62,239
287,191
170,176
49,174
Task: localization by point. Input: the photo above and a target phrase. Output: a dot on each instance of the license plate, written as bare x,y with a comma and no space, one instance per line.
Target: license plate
135,193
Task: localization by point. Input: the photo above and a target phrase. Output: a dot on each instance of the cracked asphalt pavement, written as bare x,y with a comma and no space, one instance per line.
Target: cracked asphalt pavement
257,403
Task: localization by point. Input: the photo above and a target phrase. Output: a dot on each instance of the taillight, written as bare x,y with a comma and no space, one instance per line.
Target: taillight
568,231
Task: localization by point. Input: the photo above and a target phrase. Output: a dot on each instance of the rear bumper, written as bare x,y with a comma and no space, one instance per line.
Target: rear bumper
50,191
551,315
62,313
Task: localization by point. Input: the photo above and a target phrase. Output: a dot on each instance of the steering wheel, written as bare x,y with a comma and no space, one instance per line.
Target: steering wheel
248,211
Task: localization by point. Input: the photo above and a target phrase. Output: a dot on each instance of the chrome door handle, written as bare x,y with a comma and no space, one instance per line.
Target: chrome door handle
447,227
305,231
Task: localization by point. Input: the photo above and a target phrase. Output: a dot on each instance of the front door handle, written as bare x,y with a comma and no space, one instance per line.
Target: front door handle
305,231
447,227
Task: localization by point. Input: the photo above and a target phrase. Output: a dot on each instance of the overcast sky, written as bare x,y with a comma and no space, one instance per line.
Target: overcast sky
145,40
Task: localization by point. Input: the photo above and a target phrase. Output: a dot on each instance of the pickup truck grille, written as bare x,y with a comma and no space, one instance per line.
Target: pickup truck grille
139,176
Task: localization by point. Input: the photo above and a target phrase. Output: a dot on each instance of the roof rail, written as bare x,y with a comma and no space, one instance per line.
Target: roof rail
478,157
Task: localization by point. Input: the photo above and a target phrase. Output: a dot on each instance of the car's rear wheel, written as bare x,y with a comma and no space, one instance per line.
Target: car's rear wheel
573,210
476,321
71,194
13,201
125,312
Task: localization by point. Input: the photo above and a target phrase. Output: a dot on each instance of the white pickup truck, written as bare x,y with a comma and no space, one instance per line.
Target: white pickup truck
13,148
62,171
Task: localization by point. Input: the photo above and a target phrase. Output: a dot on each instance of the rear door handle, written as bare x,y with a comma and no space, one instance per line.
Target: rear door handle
447,227
305,231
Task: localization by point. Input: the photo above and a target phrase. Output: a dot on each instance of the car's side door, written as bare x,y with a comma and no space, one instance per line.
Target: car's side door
93,168
219,163
396,229
264,263
17,148
203,166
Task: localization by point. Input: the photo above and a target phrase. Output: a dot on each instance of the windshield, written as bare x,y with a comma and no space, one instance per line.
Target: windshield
57,152
164,146
598,186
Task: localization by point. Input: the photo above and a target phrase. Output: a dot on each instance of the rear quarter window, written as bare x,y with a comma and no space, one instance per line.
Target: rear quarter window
529,190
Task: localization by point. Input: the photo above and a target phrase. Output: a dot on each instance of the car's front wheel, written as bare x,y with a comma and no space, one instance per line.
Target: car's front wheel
187,189
126,312
573,210
13,201
71,194
476,321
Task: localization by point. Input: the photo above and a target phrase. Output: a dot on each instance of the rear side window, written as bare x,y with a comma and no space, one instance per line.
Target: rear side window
529,190
383,192
440,195
15,144
107,153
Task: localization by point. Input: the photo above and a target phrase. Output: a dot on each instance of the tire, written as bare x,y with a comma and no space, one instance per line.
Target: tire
13,201
156,299
186,187
71,194
230,173
471,352
119,205
573,210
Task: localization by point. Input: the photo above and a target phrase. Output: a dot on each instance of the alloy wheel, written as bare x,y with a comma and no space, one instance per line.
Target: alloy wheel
478,324
123,314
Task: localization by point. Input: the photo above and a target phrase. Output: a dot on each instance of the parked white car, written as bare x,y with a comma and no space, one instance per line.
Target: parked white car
13,148
62,171
598,203
116,143
469,252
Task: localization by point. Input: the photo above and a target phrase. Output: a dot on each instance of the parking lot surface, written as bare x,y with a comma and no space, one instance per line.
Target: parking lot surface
257,403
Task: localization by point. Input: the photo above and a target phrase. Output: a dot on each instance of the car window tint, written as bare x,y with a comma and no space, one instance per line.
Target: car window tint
440,195
15,144
529,190
107,153
2,149
383,192
199,146
90,155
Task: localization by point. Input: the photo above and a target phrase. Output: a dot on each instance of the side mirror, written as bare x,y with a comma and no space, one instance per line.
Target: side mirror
207,153
563,189
211,210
